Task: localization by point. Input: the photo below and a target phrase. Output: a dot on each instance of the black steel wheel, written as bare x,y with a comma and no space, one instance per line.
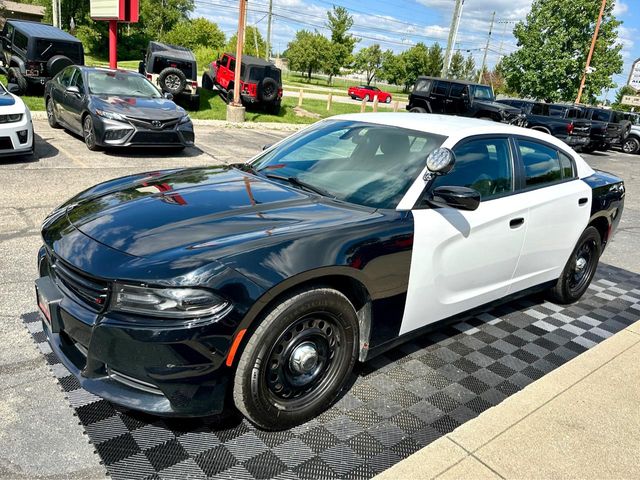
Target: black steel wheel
89,133
418,110
631,145
298,360
51,114
579,269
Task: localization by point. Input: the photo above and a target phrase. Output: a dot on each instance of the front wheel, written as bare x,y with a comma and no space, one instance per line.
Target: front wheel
631,145
298,360
89,133
418,110
51,114
580,268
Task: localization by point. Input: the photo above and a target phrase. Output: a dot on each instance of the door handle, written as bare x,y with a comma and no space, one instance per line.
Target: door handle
516,222
583,201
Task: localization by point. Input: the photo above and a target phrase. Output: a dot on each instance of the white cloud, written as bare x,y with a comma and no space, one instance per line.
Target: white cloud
620,8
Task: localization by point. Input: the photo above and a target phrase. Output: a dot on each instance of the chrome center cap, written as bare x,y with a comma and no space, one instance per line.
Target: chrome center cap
580,264
304,358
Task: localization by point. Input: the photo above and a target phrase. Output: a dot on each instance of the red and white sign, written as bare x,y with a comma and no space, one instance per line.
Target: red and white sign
119,10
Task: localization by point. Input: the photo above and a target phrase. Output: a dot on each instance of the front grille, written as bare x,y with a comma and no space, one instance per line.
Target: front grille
5,143
133,382
92,292
156,137
166,124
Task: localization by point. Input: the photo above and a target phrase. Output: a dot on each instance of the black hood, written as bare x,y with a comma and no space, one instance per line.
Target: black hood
496,106
139,107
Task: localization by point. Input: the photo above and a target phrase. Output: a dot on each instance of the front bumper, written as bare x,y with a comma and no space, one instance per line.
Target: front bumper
115,133
169,370
10,143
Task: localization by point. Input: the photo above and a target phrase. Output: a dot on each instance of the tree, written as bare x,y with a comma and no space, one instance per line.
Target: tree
369,60
469,69
252,37
625,90
159,16
554,41
307,52
435,61
393,68
198,32
416,63
339,22
456,67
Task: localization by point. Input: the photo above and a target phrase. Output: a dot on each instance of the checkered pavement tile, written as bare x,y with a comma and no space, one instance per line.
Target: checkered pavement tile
400,402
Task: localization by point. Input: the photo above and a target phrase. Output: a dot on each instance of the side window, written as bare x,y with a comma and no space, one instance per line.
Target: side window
9,34
232,65
78,81
65,76
567,166
441,88
457,89
225,61
20,40
540,109
484,165
422,85
541,163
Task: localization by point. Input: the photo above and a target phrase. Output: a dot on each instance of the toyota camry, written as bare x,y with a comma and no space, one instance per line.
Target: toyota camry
262,283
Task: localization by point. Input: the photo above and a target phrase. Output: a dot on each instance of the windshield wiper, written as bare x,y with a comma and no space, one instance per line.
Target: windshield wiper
299,183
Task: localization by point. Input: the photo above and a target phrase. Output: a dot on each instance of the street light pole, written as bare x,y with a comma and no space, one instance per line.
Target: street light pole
269,30
235,110
453,32
486,49
593,46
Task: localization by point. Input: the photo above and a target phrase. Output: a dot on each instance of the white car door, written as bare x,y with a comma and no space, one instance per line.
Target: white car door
464,259
559,210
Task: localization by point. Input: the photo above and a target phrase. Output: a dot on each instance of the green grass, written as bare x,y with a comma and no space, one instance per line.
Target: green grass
340,85
92,61
34,103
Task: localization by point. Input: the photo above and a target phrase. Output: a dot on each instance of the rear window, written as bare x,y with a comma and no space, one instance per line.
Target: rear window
159,64
441,88
422,85
45,49
20,40
257,74
600,116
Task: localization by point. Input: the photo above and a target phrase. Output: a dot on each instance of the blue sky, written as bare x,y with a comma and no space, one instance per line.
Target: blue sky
398,24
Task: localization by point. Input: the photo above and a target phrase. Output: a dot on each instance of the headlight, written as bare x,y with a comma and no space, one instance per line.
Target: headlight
11,118
110,115
166,302
185,119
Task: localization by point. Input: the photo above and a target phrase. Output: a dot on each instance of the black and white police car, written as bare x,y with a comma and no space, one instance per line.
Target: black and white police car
16,128
265,282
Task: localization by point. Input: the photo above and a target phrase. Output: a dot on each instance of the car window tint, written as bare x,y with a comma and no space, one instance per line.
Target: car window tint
78,81
232,65
20,40
567,166
541,163
441,88
484,165
483,92
600,116
457,89
65,76
422,85
224,61
540,109
555,111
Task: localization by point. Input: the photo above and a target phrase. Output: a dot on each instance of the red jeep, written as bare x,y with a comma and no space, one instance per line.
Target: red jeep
368,92
260,81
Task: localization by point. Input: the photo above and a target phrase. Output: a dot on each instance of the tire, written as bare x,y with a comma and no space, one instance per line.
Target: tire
366,98
207,82
588,149
229,95
273,108
268,390
14,75
89,133
172,80
51,113
388,100
267,90
580,268
631,145
57,63
418,110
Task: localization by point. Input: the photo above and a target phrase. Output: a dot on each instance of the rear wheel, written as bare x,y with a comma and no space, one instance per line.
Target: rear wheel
418,110
366,98
580,268
14,75
89,133
631,145
298,360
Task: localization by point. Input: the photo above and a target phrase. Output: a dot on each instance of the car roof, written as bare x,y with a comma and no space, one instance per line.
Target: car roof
176,51
450,80
252,60
42,30
84,68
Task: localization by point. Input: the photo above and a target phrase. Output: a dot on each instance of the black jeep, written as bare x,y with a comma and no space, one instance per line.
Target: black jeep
33,52
458,97
173,69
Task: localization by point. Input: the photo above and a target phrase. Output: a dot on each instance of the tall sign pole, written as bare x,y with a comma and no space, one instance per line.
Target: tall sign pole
113,44
269,30
486,48
239,46
453,32
54,13
593,46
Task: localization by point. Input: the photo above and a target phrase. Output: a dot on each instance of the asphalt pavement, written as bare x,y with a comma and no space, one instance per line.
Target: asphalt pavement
39,436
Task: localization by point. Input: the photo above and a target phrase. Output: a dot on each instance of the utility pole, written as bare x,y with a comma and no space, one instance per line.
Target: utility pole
486,48
235,110
54,13
453,33
593,46
269,15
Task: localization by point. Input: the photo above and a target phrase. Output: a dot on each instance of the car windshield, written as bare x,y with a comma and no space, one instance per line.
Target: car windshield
367,164
105,82
483,92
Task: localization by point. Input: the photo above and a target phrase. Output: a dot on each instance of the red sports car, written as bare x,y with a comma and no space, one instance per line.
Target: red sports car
368,92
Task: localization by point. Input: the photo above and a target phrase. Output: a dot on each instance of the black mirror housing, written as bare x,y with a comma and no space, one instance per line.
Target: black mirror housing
462,198
73,89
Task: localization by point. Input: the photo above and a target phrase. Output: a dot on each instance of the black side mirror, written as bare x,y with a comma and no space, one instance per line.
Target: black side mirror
462,198
73,90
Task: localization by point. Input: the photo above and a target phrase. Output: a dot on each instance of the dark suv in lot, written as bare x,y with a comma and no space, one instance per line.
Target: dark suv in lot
174,70
33,53
260,81
608,128
458,97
